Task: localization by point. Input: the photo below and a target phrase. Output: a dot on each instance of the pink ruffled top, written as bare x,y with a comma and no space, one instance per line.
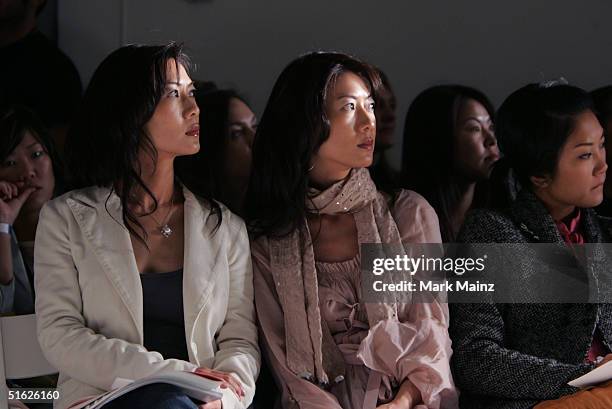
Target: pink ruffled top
346,318
415,346
379,359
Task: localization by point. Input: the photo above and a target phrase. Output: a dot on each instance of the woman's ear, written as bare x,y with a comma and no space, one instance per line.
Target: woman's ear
540,182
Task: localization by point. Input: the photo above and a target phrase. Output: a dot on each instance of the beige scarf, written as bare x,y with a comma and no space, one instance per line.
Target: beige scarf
311,351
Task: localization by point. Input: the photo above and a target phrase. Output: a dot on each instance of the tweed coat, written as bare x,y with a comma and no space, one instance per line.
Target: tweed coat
512,356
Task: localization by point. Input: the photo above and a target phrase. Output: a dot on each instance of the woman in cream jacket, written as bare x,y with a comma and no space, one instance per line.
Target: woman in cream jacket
137,274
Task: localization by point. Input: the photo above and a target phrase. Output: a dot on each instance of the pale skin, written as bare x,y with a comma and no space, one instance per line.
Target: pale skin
174,130
26,184
350,109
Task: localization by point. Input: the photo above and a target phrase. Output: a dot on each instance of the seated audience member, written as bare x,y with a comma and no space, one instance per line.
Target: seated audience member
138,273
310,204
602,98
35,72
515,356
227,128
449,151
382,173
30,175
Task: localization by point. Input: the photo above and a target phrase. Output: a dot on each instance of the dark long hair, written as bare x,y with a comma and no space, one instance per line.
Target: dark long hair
291,130
15,122
104,141
203,172
427,152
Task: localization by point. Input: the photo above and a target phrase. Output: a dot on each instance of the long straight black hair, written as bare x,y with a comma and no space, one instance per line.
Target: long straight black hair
292,129
429,143
108,133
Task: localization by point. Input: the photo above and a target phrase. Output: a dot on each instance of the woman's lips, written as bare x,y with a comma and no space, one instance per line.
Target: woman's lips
368,145
194,131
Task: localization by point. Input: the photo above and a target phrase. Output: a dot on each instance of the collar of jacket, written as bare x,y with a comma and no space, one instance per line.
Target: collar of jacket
97,211
534,220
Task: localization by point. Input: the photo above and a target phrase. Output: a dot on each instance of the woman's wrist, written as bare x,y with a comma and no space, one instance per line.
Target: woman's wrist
407,396
5,228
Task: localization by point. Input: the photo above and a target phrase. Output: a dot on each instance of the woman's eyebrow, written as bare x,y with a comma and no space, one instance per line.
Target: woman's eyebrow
179,83
352,96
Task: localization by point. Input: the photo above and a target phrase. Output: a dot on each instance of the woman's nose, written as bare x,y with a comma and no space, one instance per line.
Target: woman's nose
27,171
367,120
192,108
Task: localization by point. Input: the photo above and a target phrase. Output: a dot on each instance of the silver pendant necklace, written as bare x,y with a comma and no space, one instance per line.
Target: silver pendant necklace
164,228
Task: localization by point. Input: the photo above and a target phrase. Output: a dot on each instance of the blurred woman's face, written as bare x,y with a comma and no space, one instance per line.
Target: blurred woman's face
476,148
350,110
174,127
581,167
385,118
242,124
29,165
608,136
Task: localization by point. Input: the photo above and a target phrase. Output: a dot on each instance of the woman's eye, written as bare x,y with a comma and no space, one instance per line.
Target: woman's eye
37,154
349,107
474,129
8,163
173,93
192,93
371,106
236,133
585,155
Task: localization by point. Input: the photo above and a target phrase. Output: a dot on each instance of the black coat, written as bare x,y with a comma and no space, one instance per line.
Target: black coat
512,356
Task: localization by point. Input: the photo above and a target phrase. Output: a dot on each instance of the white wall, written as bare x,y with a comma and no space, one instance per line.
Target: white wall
496,46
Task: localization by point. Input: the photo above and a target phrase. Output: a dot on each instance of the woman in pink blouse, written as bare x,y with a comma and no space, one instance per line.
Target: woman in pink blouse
310,205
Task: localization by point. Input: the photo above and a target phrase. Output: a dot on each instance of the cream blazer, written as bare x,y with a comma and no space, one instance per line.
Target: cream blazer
89,297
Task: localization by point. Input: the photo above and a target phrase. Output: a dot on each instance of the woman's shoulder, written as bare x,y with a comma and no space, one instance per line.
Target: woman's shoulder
408,201
91,196
488,226
415,218
213,209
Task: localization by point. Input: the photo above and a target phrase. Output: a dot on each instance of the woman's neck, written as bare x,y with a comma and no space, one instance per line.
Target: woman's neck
557,209
159,179
322,177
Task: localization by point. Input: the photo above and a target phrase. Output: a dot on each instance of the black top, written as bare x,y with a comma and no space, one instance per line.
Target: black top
35,73
163,317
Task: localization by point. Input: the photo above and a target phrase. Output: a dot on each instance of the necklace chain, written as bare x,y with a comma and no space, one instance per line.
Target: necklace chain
164,228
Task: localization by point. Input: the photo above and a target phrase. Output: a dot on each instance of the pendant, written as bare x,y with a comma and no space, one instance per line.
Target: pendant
166,231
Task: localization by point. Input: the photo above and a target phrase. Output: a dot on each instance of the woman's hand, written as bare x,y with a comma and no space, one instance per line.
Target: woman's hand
408,396
605,360
11,201
227,381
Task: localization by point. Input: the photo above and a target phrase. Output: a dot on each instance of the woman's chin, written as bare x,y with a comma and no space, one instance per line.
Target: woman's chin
191,149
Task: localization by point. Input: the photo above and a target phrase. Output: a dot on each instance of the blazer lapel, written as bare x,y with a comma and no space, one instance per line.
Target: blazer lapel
533,219
98,213
200,257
